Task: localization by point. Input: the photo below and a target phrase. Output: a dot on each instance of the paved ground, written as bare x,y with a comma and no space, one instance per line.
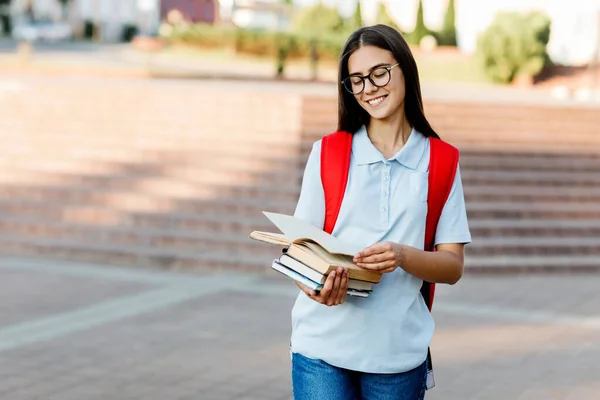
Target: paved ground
74,331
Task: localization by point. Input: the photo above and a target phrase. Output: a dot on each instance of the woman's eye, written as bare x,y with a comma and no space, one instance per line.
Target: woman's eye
379,73
356,81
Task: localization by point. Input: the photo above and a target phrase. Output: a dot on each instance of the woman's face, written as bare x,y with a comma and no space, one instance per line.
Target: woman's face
379,102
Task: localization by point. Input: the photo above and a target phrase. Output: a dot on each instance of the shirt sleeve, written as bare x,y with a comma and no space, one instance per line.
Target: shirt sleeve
311,204
453,226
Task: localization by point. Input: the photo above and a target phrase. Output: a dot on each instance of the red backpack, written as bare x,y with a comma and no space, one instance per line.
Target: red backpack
335,164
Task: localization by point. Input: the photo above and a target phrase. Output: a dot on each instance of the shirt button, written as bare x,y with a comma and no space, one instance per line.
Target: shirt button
385,178
384,209
385,193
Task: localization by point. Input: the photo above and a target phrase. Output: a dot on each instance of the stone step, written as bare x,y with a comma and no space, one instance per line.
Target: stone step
158,258
524,210
137,211
511,153
158,190
238,242
175,183
472,176
211,150
84,214
529,162
230,232
143,256
532,263
533,245
129,205
532,193
169,240
492,117
537,138
165,190
185,183
263,156
534,227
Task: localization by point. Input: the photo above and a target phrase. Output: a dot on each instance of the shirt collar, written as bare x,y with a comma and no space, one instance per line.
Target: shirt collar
409,156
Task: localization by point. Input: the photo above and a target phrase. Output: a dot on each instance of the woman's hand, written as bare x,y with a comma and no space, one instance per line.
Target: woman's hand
381,257
333,291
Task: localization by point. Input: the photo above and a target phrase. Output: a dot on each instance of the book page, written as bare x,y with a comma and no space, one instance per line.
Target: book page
270,237
333,259
296,228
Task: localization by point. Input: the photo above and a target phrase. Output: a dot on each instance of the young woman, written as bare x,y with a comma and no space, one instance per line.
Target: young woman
376,347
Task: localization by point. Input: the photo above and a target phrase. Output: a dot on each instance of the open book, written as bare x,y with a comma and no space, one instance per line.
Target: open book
314,247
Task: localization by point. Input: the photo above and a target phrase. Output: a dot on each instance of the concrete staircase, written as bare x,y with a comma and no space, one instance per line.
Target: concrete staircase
172,174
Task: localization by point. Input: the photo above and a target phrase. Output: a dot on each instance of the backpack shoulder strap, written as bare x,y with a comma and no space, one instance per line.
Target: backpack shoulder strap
335,164
443,161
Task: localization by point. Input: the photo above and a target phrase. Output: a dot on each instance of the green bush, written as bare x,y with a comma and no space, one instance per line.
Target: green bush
514,45
257,42
282,46
203,35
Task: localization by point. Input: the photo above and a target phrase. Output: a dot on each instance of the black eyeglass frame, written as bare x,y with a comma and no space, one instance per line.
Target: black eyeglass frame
370,78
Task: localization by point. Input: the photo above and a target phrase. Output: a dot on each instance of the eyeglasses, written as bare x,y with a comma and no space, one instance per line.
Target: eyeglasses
379,77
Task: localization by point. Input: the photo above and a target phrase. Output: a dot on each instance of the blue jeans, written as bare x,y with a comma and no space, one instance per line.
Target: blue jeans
317,380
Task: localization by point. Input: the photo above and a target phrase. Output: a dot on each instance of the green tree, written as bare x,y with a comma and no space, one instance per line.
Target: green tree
383,17
357,20
316,20
420,30
447,36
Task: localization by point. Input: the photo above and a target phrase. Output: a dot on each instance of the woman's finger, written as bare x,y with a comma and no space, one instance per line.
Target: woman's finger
333,295
376,248
377,266
376,258
343,288
327,288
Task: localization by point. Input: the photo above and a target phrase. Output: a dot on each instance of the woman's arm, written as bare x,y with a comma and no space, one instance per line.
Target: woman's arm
445,265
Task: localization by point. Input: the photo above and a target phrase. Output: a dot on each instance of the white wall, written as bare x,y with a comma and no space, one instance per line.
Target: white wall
42,8
112,14
115,13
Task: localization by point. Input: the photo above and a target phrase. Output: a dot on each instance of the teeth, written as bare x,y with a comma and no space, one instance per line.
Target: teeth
376,101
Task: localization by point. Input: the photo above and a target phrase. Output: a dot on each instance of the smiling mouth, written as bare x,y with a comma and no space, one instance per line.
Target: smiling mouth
376,101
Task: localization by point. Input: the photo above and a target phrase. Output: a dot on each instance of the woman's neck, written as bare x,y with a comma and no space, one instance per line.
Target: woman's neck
389,136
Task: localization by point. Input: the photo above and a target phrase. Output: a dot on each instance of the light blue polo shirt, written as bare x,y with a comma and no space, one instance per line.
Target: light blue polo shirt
389,331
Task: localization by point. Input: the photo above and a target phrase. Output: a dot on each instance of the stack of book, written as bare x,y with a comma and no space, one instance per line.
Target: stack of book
310,254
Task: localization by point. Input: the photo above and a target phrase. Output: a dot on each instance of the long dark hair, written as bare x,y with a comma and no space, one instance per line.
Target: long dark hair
351,116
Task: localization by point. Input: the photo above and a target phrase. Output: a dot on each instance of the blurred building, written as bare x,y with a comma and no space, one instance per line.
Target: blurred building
206,11
112,17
